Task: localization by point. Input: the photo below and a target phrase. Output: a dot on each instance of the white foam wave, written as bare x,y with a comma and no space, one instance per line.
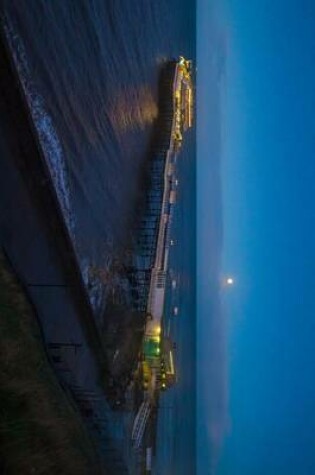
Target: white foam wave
46,133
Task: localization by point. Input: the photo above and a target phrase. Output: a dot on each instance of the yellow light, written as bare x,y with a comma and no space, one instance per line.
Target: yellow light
172,363
158,330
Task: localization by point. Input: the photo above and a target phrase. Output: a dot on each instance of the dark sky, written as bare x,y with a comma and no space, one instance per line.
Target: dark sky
256,144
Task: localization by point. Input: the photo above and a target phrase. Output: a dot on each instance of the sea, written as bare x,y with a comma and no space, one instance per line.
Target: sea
89,71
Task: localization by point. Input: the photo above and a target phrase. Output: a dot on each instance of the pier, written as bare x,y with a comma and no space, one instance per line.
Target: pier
158,369
179,121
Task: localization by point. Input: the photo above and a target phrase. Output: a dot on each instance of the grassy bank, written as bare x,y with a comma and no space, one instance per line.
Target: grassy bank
40,430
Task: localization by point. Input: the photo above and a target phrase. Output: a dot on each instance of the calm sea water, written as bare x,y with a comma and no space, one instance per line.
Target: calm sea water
90,72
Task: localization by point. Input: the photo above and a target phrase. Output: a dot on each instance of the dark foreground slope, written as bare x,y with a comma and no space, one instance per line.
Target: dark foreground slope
40,431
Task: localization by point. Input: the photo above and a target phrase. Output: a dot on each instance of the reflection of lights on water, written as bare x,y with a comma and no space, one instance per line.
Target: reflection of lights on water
133,108
175,310
172,242
174,283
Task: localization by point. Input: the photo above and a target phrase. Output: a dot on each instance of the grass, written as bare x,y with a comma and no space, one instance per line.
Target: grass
40,429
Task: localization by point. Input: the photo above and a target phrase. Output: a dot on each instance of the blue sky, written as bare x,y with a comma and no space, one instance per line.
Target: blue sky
256,143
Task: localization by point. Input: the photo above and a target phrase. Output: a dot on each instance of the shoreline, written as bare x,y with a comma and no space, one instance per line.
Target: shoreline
35,173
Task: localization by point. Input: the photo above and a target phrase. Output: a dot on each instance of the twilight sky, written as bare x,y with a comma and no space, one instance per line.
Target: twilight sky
256,144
